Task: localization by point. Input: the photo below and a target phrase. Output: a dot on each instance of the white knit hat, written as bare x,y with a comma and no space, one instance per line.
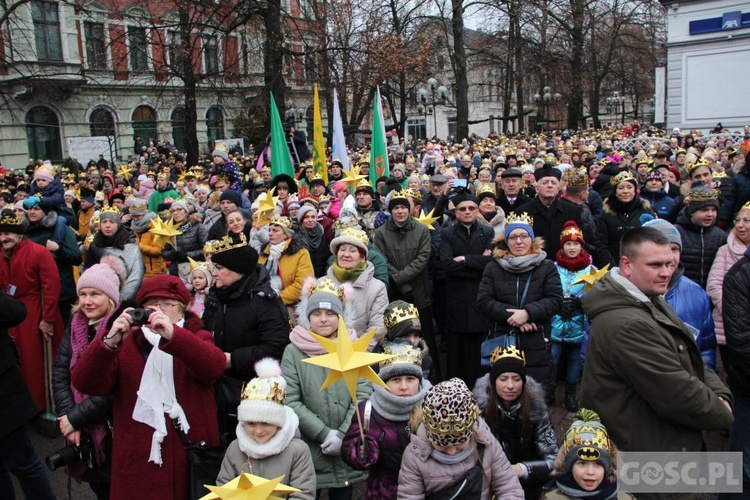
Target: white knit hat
263,397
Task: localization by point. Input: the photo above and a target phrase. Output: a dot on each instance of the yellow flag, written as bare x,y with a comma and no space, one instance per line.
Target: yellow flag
319,145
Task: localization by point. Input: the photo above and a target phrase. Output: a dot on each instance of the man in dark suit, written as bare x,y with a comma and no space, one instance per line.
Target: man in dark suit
510,196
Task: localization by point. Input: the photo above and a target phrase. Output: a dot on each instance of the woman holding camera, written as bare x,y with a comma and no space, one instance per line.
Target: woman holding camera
160,368
83,419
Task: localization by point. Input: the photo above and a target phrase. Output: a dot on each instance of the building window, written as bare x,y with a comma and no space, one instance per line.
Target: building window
46,30
416,128
311,65
210,54
174,50
96,54
441,61
138,48
43,134
102,122
214,125
452,127
144,123
306,9
178,128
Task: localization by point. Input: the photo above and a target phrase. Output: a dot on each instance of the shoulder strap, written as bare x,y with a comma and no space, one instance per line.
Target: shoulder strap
525,291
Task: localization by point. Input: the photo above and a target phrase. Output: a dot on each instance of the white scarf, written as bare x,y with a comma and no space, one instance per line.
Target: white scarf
156,395
273,446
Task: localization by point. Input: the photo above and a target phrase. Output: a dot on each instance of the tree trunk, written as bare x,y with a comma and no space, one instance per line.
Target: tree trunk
192,146
462,79
575,103
518,55
274,60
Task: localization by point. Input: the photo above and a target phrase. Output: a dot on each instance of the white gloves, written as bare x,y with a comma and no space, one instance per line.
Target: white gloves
331,445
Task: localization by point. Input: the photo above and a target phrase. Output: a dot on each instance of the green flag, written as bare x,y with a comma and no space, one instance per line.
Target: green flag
378,150
281,160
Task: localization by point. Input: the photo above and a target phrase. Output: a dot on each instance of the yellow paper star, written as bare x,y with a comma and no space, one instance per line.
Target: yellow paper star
590,278
163,231
347,360
125,172
352,176
268,204
428,219
249,487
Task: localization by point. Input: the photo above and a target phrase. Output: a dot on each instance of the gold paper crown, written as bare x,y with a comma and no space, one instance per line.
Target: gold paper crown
11,220
486,188
224,244
109,210
402,354
522,218
358,234
363,183
704,195
642,161
162,175
414,193
445,422
399,314
222,147
139,204
327,285
700,162
577,177
324,197
508,352
402,194
746,206
622,177
316,177
46,168
281,220
573,231
256,391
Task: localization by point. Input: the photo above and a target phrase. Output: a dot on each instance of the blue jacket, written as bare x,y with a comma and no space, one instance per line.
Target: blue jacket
692,305
660,201
570,331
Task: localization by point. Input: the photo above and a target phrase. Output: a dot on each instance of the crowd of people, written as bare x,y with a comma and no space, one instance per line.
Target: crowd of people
156,306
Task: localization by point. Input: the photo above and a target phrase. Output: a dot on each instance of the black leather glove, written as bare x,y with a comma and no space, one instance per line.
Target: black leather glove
571,308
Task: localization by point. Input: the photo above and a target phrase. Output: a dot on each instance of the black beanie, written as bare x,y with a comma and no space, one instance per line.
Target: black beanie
508,364
231,195
241,259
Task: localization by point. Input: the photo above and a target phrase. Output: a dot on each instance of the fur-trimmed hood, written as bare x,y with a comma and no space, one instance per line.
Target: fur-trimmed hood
48,221
534,389
501,249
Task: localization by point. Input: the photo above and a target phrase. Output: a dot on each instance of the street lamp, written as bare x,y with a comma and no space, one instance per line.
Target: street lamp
435,91
424,111
615,103
545,97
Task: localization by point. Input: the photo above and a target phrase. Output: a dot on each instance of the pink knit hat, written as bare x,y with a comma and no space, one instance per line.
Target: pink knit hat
44,174
103,278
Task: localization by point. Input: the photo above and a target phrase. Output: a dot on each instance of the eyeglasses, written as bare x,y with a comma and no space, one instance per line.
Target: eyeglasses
521,237
744,220
466,209
162,305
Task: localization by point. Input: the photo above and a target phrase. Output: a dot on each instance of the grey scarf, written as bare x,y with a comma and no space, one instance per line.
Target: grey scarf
141,226
523,263
397,408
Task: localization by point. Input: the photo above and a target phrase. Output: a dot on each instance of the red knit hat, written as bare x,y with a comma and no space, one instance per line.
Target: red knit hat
571,232
165,287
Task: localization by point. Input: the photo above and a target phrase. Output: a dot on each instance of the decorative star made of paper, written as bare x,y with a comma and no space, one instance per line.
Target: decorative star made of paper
428,219
352,176
348,360
249,487
268,204
163,231
590,278
125,172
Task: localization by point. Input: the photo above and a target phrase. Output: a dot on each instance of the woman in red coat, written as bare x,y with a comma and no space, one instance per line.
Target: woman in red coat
151,387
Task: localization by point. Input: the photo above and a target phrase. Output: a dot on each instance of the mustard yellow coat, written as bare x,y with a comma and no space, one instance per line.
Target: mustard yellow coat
294,266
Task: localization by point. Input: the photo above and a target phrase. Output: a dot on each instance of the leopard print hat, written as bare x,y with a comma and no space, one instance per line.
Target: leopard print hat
449,411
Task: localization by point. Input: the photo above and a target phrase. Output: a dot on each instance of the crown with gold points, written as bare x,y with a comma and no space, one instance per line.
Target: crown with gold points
415,194
700,162
222,147
510,351
110,210
577,177
522,218
703,194
327,285
486,189
324,198
622,177
363,183
10,219
353,232
256,390
163,175
399,314
224,244
282,220
316,177
401,194
402,354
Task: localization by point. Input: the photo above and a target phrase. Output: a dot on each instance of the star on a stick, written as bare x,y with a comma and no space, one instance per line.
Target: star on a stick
590,278
428,219
352,176
125,172
347,360
268,203
163,231
249,487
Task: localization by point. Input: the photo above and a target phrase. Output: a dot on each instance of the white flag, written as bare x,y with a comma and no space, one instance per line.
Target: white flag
339,143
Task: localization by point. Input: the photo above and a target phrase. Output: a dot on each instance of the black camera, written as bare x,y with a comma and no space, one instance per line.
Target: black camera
72,454
140,316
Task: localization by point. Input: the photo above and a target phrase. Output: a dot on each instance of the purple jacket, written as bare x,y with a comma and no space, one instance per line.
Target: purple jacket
386,441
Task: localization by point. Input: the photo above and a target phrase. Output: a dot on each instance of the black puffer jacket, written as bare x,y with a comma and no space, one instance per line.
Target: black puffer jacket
736,303
616,218
699,247
501,290
249,321
91,411
188,244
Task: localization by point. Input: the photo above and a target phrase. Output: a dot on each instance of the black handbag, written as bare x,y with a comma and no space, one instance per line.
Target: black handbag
501,340
204,463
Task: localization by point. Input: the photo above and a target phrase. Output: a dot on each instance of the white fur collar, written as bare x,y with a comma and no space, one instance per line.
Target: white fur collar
273,446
